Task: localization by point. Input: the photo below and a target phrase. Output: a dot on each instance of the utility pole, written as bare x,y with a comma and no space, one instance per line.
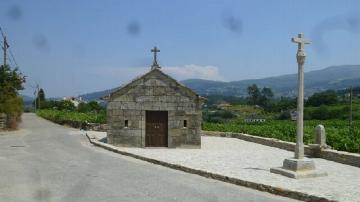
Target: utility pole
5,47
35,100
37,96
350,113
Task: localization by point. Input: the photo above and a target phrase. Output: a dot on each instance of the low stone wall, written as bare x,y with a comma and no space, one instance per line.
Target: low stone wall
341,157
348,158
3,120
82,125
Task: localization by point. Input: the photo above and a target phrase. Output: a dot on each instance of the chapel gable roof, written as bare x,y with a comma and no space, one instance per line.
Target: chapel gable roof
156,72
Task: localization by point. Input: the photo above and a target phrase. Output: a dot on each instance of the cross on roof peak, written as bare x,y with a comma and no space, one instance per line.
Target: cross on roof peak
155,64
301,41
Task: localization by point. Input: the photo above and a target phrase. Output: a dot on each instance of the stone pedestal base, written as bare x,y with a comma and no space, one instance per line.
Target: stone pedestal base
298,168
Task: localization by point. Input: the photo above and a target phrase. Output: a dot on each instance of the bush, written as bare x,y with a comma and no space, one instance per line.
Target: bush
219,116
324,98
284,115
339,136
66,105
91,106
224,114
75,118
11,80
83,107
321,113
13,108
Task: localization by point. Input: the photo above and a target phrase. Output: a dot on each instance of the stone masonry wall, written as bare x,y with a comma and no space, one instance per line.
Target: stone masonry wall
156,94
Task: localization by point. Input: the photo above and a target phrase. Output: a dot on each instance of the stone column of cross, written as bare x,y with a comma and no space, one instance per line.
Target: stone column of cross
155,64
300,56
299,166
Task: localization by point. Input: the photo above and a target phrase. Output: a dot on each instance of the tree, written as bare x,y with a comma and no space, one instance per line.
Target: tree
265,100
11,81
254,94
41,95
321,113
40,99
94,106
286,103
83,107
324,98
66,105
267,93
262,98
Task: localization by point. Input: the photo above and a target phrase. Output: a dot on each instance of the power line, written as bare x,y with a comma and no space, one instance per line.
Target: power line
5,47
2,32
13,57
10,60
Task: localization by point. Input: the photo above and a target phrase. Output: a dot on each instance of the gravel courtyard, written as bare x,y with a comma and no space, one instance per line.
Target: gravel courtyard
252,162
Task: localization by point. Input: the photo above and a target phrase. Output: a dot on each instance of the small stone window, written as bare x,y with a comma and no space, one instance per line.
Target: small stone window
185,124
126,123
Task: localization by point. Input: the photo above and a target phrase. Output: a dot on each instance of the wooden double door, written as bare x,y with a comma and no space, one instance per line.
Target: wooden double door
156,131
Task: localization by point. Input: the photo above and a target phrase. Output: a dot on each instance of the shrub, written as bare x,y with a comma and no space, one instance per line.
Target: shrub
323,98
284,115
339,136
11,80
321,113
66,117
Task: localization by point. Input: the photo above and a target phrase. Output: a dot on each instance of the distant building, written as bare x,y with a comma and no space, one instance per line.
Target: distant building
254,119
293,115
224,105
75,100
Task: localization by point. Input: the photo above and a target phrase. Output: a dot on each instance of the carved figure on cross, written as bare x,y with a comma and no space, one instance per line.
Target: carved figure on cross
155,64
301,41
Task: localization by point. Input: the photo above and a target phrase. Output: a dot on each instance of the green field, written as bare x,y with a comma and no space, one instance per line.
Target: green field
339,136
63,117
338,111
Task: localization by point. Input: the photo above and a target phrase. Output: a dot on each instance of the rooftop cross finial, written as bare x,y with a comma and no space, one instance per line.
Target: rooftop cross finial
155,50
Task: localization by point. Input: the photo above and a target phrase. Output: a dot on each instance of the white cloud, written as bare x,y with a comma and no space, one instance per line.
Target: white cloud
96,79
194,72
191,71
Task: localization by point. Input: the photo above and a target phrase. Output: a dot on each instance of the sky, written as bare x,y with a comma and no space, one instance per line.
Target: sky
76,47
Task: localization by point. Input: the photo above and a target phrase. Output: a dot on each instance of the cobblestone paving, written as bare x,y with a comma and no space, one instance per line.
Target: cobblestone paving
252,162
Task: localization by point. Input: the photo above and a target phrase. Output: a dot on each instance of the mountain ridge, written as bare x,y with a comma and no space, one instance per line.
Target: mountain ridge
333,77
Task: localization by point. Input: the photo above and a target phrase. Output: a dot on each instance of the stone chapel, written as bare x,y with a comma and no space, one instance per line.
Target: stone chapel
154,110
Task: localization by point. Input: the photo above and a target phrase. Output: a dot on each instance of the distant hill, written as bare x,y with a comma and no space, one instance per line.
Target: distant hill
97,95
26,98
334,77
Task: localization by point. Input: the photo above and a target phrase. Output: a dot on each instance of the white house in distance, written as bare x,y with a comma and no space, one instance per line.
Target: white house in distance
75,100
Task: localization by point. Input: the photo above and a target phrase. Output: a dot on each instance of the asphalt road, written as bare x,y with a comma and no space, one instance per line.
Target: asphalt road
47,162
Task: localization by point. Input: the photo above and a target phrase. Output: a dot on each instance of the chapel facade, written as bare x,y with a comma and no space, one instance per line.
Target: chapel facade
154,110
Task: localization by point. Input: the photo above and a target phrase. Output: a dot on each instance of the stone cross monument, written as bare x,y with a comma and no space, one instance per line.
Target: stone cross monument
155,64
300,56
299,166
